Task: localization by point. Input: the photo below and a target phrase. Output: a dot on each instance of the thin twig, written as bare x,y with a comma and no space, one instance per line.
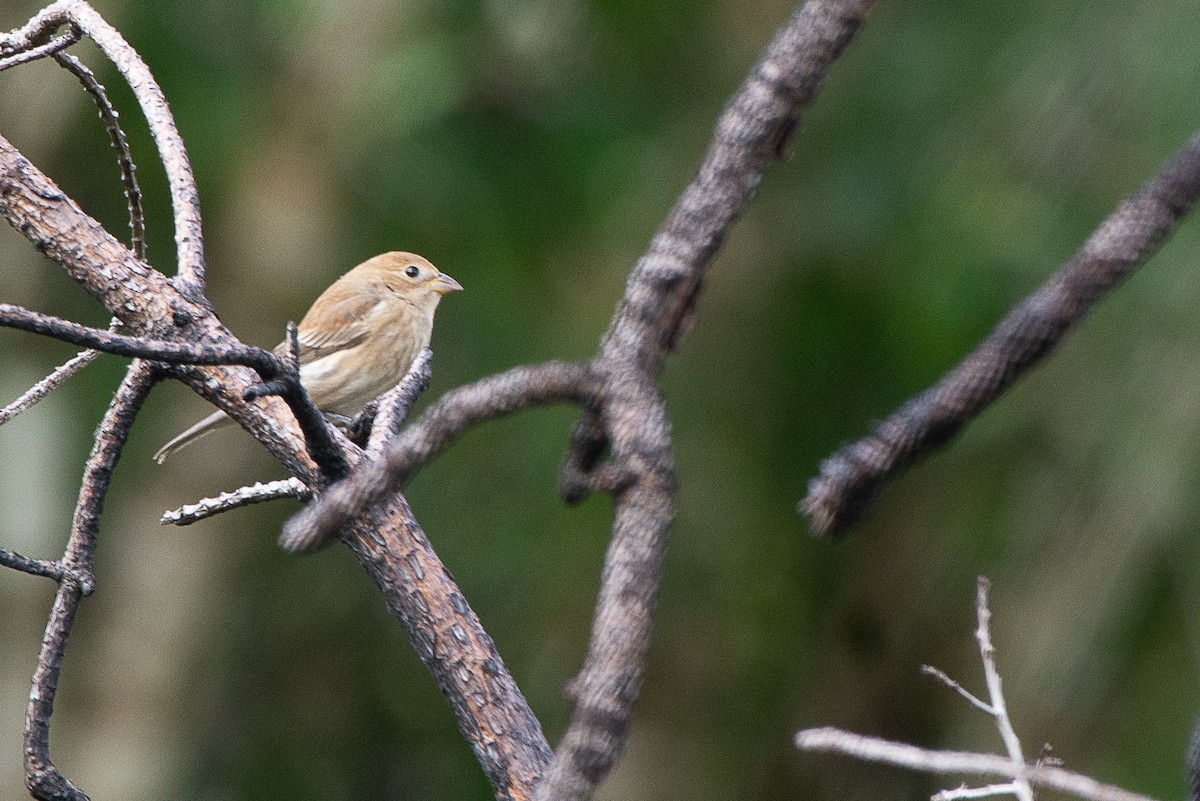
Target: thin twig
987,652
108,114
172,152
986,791
874,749
234,499
49,48
34,567
849,478
280,376
930,670
45,781
393,406
43,388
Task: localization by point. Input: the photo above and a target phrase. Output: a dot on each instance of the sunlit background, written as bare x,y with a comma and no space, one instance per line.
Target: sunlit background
957,154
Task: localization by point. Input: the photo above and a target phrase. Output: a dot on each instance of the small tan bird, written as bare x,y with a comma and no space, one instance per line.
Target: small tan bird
359,338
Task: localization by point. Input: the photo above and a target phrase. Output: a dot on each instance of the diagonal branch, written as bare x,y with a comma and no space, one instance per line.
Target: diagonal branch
850,477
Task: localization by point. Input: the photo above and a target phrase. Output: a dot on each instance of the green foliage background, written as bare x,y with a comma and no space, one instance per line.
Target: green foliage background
957,154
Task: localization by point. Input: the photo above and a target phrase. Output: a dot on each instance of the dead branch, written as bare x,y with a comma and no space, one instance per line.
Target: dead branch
624,412
962,763
1013,766
850,477
43,778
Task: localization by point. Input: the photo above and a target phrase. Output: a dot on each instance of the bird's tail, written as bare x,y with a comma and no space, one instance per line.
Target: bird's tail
213,421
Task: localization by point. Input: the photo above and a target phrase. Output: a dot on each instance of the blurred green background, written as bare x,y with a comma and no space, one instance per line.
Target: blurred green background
957,154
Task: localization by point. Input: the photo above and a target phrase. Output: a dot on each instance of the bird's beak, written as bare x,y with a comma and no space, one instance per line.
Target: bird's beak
442,283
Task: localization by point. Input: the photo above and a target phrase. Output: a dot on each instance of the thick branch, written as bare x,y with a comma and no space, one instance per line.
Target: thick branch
850,477
449,638
510,746
145,300
664,286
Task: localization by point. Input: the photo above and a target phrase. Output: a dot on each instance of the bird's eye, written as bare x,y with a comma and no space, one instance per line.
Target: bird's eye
412,271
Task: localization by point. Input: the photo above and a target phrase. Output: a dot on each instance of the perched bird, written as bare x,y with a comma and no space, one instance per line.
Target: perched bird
359,338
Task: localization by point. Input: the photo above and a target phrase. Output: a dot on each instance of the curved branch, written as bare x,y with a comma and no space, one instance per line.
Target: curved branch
662,290
184,198
850,477
440,425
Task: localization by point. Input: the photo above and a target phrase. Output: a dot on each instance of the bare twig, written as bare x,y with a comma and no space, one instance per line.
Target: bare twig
393,406
184,199
930,670
243,496
987,653
850,477
48,48
280,376
43,778
34,567
133,193
874,749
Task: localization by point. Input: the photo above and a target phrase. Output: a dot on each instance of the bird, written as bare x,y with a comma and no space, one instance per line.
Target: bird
359,338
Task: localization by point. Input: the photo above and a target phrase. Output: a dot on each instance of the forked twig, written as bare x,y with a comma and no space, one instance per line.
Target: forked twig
1023,776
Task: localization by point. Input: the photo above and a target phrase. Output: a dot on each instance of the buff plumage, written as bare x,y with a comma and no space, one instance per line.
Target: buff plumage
359,337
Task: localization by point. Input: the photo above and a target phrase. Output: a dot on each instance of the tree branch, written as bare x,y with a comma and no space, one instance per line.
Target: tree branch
43,778
850,477
874,749
172,152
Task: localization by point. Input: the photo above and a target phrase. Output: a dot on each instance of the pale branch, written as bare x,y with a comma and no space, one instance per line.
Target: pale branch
45,781
984,791
172,152
48,48
435,430
971,698
849,478
235,499
44,387
874,749
987,654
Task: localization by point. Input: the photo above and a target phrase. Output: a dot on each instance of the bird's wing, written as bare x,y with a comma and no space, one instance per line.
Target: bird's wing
336,324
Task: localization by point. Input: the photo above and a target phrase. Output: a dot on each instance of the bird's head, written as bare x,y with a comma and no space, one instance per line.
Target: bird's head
410,275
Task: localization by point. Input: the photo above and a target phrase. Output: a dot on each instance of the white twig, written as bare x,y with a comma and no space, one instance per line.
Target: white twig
987,652
930,670
904,755
986,791
43,388
256,493
61,373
